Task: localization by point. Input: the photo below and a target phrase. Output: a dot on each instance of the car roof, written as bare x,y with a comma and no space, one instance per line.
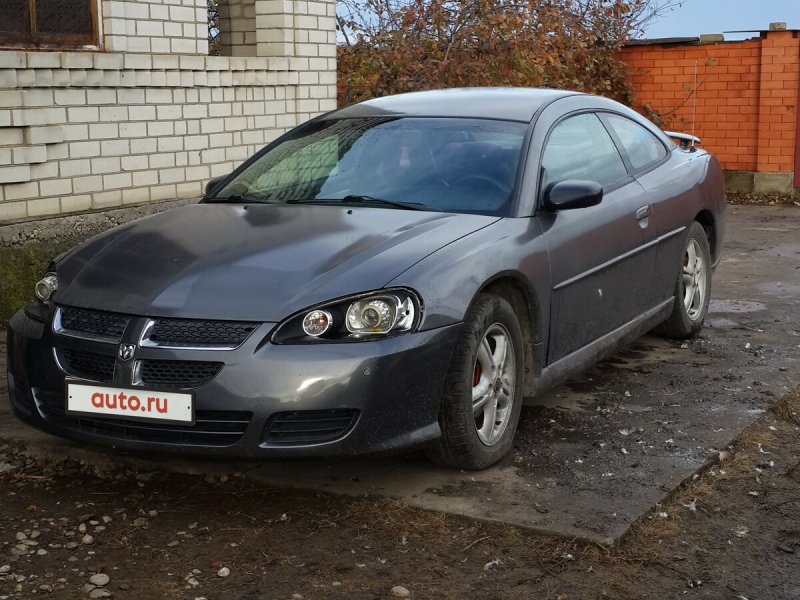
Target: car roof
514,104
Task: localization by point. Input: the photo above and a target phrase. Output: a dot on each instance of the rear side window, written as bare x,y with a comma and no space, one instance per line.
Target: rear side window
642,146
579,147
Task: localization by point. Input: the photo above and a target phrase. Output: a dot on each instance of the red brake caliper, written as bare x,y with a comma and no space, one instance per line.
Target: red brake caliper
476,374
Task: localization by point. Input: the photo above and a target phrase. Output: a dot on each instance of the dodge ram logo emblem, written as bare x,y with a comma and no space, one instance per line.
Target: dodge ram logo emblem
126,351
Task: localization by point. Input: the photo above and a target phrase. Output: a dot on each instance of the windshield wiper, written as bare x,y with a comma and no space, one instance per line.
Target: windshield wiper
360,199
245,198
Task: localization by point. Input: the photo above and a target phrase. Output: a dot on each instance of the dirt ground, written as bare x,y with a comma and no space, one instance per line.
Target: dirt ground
734,532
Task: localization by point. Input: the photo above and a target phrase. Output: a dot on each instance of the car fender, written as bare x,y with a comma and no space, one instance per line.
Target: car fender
713,188
450,279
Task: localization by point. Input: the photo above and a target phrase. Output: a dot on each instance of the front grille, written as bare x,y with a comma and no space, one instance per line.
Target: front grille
194,332
88,365
211,428
180,374
93,322
304,427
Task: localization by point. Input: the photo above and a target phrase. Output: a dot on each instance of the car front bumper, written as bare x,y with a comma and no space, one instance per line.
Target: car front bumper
389,390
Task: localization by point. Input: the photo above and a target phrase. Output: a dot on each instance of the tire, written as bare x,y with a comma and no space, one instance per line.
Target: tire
692,289
468,441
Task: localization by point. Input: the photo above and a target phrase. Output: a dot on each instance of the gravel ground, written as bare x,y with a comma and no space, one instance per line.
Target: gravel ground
752,198
78,227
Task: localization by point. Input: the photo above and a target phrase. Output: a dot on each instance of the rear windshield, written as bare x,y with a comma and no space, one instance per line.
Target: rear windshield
439,164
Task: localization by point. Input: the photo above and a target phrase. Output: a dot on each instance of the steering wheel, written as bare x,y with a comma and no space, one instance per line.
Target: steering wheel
482,180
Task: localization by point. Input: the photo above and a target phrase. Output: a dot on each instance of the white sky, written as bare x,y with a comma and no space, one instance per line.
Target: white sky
694,17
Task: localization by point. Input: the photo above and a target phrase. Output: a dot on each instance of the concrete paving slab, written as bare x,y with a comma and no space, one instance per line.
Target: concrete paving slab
596,454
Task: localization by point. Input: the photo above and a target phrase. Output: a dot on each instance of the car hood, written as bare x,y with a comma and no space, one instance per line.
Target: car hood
251,262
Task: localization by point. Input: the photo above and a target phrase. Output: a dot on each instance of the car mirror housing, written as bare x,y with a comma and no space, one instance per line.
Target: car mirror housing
573,193
213,184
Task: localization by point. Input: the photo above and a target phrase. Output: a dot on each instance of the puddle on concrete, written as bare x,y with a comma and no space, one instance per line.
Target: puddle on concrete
564,398
787,250
735,306
778,229
634,408
720,323
780,289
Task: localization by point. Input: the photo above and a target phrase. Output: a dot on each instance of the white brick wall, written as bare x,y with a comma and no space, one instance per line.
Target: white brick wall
146,121
156,26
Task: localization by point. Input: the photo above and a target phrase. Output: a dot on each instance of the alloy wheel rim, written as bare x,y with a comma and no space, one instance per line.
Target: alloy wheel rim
493,384
694,281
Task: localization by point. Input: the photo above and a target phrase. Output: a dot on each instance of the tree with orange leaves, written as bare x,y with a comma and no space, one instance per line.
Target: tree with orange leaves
393,46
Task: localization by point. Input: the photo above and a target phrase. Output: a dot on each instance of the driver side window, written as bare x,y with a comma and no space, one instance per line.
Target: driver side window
579,147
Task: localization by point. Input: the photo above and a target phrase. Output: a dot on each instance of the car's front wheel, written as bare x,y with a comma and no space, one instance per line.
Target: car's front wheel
692,289
483,389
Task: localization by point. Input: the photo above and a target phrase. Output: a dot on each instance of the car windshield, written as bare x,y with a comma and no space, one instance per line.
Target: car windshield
439,164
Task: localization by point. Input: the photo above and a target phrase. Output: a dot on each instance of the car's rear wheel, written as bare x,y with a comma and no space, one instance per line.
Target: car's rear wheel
692,289
483,389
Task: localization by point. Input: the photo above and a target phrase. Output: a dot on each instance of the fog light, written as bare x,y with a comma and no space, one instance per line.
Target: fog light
46,286
317,322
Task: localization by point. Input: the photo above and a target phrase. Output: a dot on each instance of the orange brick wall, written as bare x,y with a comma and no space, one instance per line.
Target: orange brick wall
746,101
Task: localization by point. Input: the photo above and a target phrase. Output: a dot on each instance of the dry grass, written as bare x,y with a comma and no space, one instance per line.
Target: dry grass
788,407
696,491
758,199
646,538
398,515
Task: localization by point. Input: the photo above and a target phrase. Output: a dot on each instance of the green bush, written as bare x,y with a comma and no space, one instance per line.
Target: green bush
20,269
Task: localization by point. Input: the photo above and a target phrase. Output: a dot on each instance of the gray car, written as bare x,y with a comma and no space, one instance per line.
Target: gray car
394,274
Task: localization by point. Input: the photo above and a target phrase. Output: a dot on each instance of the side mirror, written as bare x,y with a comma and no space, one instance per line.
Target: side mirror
213,184
573,193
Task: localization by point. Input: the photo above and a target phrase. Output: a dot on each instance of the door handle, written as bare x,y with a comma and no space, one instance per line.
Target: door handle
642,212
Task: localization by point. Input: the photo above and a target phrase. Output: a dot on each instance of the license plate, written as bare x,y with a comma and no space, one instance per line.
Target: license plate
126,403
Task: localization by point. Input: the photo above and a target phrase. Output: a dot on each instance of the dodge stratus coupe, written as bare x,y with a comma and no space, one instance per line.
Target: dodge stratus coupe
398,273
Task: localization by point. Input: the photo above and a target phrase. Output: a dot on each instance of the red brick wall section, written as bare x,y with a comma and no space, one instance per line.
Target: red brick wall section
745,109
780,74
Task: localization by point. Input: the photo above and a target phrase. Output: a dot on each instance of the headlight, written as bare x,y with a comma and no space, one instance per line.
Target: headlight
46,287
317,322
380,314
365,317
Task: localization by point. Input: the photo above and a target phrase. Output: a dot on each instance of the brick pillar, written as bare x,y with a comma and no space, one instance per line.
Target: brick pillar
797,140
296,28
237,27
777,111
275,28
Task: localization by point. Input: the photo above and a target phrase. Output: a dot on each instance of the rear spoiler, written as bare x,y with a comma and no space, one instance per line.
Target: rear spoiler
688,142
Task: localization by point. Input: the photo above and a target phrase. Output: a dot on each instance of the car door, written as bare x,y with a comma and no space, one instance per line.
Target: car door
648,159
600,273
